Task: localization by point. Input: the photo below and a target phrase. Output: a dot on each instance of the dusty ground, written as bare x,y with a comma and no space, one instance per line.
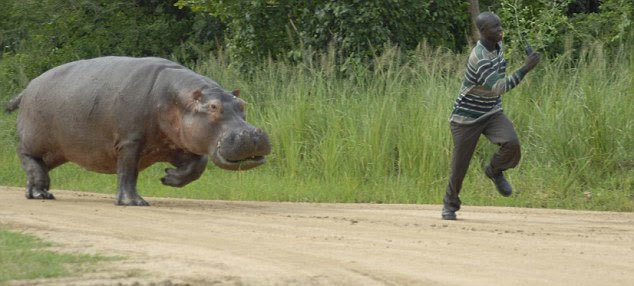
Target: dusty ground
254,243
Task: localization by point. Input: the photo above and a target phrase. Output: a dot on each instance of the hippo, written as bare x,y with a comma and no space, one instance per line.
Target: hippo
122,114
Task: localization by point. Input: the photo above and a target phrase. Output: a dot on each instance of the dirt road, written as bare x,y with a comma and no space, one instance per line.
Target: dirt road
256,243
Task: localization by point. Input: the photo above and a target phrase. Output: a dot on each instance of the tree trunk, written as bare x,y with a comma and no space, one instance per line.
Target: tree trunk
474,8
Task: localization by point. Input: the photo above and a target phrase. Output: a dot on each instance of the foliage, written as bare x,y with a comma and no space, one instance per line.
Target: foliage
611,25
553,27
381,134
288,28
37,35
534,23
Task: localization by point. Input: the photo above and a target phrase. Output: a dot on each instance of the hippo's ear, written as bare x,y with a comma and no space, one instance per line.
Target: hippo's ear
236,92
191,100
197,94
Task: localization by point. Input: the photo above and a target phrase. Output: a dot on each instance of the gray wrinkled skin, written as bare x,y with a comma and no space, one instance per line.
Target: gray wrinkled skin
121,115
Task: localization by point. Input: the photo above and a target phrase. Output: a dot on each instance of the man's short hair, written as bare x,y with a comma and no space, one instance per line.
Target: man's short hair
482,18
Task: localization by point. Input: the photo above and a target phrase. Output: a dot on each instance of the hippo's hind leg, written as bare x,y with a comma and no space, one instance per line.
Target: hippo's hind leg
189,167
127,174
37,178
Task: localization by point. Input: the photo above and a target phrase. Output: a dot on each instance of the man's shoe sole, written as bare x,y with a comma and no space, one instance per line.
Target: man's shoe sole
497,187
448,215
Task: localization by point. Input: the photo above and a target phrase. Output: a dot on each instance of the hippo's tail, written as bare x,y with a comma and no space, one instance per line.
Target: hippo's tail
13,103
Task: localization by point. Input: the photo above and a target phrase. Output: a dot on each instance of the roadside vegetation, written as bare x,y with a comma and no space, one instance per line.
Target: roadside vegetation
24,256
375,128
381,135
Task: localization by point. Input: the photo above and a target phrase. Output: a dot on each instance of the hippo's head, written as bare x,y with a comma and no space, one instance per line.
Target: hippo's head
212,121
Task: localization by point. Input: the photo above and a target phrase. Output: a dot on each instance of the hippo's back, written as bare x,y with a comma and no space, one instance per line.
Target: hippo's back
86,79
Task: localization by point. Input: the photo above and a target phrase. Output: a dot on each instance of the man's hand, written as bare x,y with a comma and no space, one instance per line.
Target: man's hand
531,61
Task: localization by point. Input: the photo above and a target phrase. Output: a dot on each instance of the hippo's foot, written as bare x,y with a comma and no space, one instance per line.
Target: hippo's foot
38,194
130,200
175,178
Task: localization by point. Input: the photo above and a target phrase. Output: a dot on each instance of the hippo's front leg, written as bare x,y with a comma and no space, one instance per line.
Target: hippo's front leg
189,167
127,174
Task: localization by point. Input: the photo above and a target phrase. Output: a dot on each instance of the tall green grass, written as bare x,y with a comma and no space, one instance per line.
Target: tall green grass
381,134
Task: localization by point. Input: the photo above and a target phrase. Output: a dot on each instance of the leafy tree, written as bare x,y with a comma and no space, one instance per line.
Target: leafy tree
286,28
611,23
538,22
39,34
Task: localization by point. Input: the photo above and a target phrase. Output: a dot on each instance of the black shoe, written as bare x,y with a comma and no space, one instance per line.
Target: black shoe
448,214
503,186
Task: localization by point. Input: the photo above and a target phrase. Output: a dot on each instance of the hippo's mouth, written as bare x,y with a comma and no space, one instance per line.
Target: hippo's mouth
241,164
254,159
241,150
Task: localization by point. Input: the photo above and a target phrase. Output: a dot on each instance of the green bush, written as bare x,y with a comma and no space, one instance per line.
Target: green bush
288,28
557,27
36,35
611,25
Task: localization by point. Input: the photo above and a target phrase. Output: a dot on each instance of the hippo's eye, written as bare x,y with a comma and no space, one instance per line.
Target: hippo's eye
213,107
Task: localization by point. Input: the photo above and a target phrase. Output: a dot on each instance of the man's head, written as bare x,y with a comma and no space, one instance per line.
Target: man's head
490,27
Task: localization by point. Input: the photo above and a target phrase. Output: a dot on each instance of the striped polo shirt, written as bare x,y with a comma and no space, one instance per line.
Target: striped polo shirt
485,80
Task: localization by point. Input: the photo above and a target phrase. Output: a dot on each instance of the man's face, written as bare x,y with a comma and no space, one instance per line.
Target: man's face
492,29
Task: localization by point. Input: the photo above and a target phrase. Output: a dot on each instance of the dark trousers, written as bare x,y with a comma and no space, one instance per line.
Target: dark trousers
499,130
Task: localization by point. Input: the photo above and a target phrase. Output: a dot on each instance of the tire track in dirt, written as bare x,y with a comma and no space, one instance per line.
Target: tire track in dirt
262,243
